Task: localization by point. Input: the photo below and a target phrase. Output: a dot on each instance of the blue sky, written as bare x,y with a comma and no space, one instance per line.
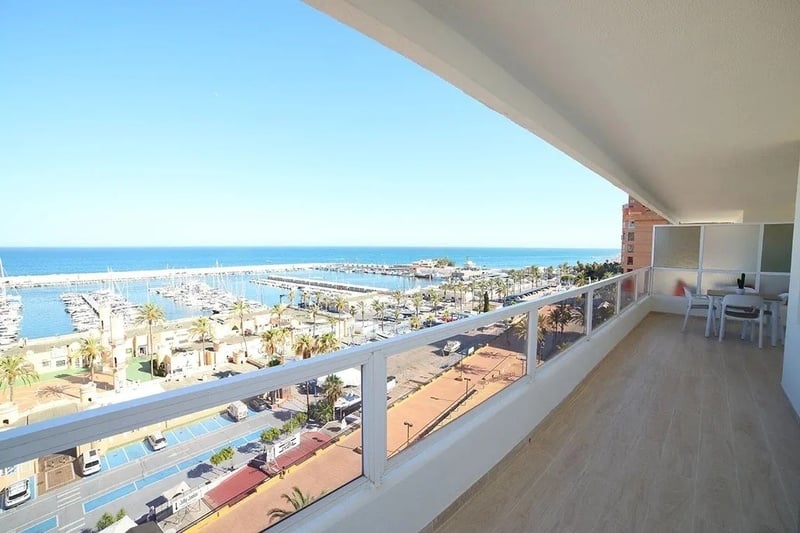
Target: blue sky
261,123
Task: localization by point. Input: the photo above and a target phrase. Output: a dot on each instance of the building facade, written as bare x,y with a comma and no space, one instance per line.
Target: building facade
637,234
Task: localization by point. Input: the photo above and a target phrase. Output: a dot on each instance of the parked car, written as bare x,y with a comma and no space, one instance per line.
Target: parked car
157,441
17,493
258,404
89,463
237,410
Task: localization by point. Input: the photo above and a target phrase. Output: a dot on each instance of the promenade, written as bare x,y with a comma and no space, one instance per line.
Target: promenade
490,370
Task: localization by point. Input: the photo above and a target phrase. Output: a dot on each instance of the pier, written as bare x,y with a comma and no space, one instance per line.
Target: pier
283,281
51,280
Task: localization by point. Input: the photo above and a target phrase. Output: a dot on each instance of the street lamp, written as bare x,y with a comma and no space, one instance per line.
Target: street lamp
408,425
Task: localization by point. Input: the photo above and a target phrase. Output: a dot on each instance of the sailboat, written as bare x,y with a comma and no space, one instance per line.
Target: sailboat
10,312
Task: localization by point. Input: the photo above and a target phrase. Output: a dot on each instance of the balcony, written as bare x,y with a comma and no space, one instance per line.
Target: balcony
671,432
663,416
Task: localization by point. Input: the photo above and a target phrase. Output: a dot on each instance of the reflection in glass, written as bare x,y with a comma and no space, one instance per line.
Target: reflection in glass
731,247
777,250
676,246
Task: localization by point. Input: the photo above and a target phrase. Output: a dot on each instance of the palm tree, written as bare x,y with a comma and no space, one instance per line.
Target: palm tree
416,322
435,298
297,499
305,346
271,340
559,317
327,342
398,297
340,304
152,315
240,308
313,309
417,301
201,328
279,309
535,274
333,388
15,367
290,296
91,351
380,308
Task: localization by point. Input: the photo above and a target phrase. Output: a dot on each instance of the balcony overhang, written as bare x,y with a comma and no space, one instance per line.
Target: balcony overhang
691,108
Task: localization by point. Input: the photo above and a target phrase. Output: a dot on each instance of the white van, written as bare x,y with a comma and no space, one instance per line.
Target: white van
90,462
237,410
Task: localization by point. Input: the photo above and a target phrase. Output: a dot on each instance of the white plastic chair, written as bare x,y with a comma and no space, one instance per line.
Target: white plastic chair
746,308
697,302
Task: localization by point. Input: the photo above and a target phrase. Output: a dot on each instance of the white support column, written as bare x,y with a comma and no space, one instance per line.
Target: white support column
636,287
373,435
588,312
533,341
618,306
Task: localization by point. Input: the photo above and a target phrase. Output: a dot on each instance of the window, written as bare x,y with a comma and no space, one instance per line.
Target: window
61,363
628,270
631,224
630,235
630,260
45,364
630,248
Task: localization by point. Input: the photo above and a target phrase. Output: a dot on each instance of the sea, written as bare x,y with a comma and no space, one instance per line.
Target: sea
44,314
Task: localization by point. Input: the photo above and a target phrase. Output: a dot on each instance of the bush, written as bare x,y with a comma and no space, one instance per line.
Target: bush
108,519
301,418
270,435
321,411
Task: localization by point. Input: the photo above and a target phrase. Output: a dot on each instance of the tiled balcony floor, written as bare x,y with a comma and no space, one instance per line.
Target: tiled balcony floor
671,432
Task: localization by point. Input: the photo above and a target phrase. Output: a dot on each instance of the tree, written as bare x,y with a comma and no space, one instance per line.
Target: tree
327,342
398,297
313,309
290,296
271,340
15,367
333,388
558,317
91,351
270,435
340,303
485,302
362,306
417,301
107,520
279,309
201,328
225,454
152,315
380,309
416,322
297,499
305,346
240,308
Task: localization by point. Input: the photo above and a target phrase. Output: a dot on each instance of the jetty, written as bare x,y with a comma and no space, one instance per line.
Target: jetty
285,282
52,280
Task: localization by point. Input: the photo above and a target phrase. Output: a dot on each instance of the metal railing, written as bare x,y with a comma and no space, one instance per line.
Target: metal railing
36,440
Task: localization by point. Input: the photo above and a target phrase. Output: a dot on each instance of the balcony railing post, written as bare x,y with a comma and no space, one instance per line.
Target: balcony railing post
636,287
618,306
533,341
373,383
588,312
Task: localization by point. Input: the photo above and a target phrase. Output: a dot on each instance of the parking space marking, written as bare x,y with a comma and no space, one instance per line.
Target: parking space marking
108,497
42,527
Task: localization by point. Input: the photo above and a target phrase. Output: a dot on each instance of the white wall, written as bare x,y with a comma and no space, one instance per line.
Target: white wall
791,353
422,482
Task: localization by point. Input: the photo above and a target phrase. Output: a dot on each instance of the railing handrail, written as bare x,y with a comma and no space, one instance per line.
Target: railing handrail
35,440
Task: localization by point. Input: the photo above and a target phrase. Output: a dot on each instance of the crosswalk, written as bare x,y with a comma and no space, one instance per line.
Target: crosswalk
67,499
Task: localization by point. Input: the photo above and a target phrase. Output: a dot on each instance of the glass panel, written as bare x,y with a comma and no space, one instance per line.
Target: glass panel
561,325
726,280
731,247
628,288
439,382
676,246
182,470
776,255
774,283
604,304
671,282
644,280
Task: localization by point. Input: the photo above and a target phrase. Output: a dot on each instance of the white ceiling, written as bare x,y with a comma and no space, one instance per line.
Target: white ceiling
692,107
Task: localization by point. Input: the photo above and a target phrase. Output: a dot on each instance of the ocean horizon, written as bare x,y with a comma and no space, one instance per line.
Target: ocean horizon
27,261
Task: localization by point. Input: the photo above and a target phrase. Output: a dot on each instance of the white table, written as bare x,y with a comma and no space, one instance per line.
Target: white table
773,301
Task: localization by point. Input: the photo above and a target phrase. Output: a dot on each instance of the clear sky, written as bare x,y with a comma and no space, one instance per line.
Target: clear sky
261,123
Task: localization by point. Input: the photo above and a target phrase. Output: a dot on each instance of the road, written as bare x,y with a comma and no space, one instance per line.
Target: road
137,483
